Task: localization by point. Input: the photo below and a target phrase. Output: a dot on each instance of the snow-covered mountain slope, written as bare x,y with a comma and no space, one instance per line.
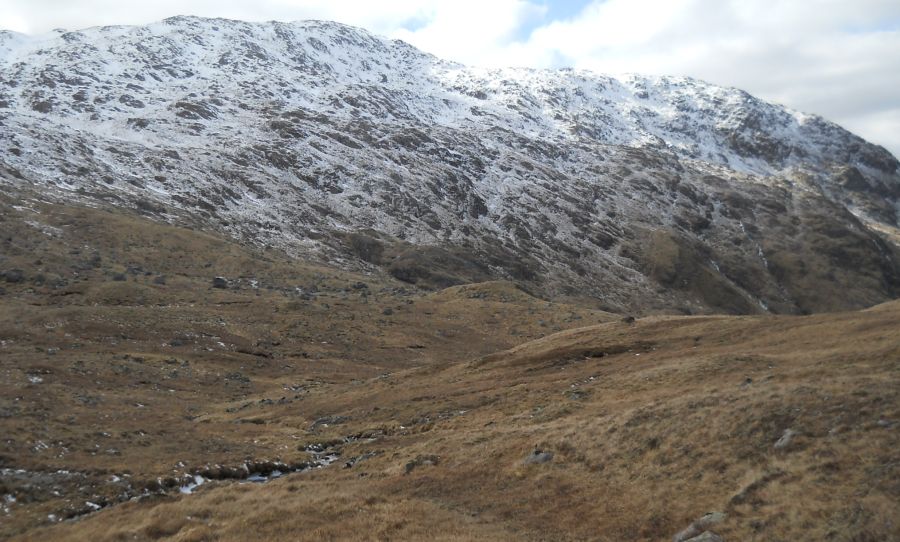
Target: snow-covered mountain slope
324,140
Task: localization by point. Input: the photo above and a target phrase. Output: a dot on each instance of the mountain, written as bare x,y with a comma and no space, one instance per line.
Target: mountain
644,194
298,282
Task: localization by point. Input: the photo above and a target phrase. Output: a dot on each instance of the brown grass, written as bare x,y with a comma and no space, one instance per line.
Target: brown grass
651,424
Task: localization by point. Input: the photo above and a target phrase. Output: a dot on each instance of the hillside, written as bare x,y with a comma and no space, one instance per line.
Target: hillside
649,194
786,425
117,342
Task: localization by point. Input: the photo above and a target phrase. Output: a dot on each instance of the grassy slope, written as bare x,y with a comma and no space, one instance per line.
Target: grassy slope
651,424
643,443
108,377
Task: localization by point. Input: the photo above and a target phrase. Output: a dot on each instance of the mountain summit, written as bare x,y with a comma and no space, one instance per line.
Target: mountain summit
645,193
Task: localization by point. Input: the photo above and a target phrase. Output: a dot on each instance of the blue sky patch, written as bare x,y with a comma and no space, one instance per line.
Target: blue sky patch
557,10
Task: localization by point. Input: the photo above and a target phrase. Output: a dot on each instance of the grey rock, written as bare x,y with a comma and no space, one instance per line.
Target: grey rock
697,528
354,460
220,282
538,456
14,276
237,377
420,461
325,421
785,440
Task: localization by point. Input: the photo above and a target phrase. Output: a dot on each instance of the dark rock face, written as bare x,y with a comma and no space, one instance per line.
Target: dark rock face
646,193
14,275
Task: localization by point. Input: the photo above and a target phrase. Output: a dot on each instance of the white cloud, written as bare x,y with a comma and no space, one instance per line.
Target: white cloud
473,31
835,58
37,16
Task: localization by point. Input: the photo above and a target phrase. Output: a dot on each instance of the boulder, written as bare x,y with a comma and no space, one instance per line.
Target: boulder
699,528
785,440
538,456
419,461
14,275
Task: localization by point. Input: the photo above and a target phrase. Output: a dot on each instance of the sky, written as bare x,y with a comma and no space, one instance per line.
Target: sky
835,58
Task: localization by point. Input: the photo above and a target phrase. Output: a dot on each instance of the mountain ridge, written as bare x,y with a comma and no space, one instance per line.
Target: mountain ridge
328,141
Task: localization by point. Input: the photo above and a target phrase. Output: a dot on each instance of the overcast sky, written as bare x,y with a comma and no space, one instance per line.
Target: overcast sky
837,58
